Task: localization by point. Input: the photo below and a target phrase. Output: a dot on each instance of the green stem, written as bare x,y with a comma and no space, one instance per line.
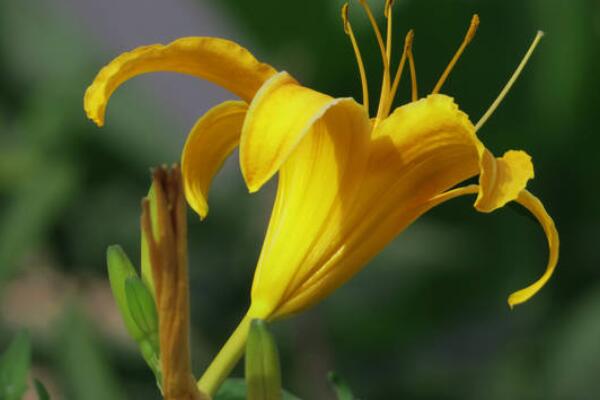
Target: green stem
226,360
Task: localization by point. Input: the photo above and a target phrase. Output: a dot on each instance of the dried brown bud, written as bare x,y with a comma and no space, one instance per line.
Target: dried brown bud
167,245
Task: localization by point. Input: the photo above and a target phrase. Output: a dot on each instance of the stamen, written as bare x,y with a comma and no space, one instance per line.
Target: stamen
510,82
388,15
385,83
468,37
388,7
367,9
413,73
359,61
408,41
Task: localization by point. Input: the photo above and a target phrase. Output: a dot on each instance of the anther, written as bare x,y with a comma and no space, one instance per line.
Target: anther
388,8
468,37
382,49
388,15
345,19
510,82
361,68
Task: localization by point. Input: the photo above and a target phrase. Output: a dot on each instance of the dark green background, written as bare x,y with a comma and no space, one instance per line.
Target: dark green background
427,319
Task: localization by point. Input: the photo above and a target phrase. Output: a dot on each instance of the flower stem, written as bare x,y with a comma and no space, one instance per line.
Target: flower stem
226,360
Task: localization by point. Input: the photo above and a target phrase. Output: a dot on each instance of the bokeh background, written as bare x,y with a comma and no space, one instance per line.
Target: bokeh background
427,319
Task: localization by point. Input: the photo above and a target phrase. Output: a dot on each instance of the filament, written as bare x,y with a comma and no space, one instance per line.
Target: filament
407,45
367,9
468,37
413,74
510,82
385,82
359,61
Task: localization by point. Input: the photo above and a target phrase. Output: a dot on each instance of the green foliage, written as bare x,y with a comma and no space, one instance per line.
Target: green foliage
41,390
83,361
342,390
33,206
14,368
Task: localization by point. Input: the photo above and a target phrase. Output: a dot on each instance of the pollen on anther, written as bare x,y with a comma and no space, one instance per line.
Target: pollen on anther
388,8
345,18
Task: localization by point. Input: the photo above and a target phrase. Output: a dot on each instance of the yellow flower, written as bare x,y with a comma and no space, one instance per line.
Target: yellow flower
348,183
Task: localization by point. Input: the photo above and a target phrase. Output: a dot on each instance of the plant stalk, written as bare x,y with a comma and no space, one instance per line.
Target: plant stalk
226,360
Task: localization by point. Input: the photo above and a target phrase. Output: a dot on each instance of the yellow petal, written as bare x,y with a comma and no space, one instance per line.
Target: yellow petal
209,143
280,115
535,206
218,60
316,187
422,150
502,179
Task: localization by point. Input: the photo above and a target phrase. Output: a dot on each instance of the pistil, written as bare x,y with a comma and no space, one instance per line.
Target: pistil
510,82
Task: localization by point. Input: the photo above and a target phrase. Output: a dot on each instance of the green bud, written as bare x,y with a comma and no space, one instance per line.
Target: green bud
151,356
142,308
147,276
263,375
119,269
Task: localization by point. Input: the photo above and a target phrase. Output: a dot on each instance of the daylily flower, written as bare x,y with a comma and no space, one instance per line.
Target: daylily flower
348,183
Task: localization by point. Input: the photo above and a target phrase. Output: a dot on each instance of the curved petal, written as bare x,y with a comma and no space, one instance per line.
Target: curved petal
218,60
209,143
535,206
317,185
502,179
280,115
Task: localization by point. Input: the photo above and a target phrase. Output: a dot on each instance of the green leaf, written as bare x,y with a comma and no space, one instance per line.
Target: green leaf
14,367
235,389
120,269
41,390
263,374
342,390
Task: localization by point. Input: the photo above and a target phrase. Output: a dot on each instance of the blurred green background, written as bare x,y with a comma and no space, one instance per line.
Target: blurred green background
427,319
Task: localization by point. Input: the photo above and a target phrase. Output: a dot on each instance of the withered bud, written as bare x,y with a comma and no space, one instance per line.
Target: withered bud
167,245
